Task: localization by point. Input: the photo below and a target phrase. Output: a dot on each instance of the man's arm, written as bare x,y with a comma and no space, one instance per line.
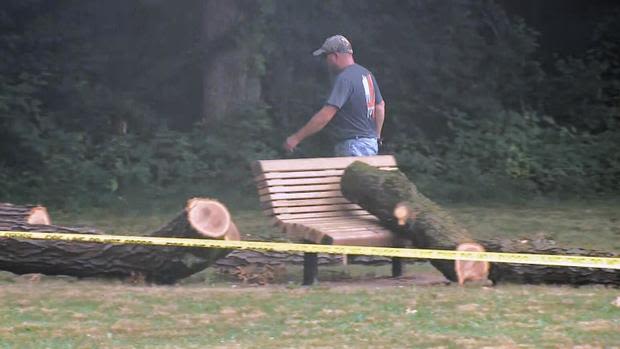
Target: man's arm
316,124
379,117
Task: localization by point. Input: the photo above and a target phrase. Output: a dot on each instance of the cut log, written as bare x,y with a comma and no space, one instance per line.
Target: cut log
202,218
471,270
243,258
30,214
399,205
538,274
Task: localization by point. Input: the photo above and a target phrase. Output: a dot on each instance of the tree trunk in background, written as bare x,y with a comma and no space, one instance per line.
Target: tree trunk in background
202,218
429,226
230,83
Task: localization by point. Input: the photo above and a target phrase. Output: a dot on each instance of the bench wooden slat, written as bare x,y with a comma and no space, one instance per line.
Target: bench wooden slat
336,226
360,219
345,227
308,202
298,181
304,232
324,214
306,174
341,224
351,237
360,239
321,208
352,233
329,231
321,220
298,174
340,227
320,163
299,188
306,195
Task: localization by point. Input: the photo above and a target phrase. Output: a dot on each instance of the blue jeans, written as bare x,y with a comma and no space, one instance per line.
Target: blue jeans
357,147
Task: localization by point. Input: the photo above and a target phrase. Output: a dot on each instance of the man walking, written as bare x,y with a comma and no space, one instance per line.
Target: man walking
355,109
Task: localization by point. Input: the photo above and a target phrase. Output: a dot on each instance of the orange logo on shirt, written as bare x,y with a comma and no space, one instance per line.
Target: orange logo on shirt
369,91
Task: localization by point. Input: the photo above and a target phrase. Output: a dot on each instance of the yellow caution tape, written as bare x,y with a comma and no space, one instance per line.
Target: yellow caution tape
523,258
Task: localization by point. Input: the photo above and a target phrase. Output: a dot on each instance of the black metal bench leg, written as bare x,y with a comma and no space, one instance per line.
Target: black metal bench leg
311,268
397,267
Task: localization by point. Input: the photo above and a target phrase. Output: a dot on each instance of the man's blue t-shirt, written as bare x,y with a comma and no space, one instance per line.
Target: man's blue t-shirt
355,93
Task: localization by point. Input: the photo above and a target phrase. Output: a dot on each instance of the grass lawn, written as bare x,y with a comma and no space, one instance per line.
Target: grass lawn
353,311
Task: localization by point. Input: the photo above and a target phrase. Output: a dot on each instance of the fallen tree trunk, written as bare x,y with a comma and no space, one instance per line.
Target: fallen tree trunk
538,274
29,214
395,200
242,258
202,218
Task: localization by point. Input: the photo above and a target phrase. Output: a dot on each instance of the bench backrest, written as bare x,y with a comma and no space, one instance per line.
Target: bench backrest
294,189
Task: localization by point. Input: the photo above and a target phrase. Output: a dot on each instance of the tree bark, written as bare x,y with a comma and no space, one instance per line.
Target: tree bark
243,258
387,194
539,274
202,218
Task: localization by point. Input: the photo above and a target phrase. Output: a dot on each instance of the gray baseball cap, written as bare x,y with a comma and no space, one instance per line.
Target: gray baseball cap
336,43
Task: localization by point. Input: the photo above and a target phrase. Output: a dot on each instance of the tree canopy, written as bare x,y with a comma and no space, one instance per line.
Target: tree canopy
98,99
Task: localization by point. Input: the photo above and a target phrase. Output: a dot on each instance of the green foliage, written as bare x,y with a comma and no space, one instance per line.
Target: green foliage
473,115
76,168
471,111
516,154
235,143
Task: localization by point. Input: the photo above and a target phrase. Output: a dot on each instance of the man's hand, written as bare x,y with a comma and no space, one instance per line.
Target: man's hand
316,123
291,143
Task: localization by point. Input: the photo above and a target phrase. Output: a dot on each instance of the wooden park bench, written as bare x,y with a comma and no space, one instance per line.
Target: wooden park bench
304,199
